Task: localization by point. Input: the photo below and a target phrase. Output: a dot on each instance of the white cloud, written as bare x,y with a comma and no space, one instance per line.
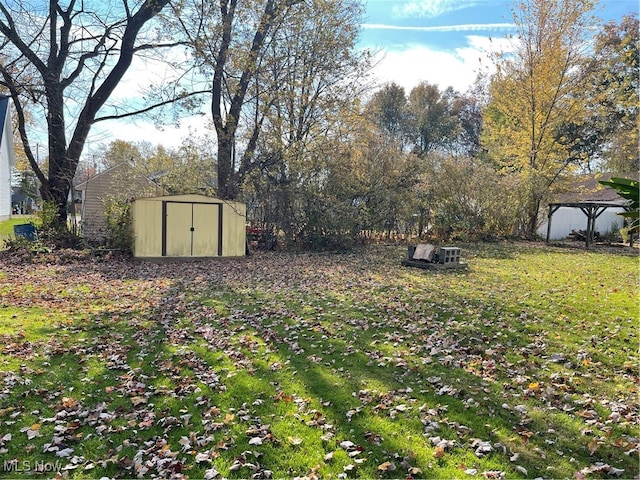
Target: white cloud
432,8
143,130
131,92
417,63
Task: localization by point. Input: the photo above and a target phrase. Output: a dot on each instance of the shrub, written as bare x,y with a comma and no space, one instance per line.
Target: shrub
119,224
50,236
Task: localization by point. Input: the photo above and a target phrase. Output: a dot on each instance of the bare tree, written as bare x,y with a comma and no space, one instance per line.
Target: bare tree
229,38
67,58
311,79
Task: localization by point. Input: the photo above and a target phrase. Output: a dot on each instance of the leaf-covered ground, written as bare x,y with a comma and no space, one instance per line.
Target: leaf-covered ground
323,366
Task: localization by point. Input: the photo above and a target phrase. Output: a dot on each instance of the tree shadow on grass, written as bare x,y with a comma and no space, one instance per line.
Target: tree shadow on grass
138,372
350,370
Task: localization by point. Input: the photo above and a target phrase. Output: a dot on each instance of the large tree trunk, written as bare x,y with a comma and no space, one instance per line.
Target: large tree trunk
228,188
61,167
66,65
230,176
532,216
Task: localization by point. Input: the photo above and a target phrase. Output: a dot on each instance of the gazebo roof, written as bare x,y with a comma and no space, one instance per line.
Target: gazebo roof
620,202
586,189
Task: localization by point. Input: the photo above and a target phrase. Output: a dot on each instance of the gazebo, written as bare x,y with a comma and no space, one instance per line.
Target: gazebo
592,209
590,197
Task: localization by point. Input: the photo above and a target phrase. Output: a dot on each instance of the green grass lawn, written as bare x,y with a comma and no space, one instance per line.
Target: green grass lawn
6,227
335,366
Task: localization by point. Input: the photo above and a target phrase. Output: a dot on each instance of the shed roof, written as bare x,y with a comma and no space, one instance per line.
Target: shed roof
108,171
187,197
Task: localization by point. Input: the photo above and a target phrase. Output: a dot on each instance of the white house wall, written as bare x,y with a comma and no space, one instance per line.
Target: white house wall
566,219
5,184
7,161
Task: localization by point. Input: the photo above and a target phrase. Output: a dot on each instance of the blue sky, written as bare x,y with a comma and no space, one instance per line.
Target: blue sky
445,42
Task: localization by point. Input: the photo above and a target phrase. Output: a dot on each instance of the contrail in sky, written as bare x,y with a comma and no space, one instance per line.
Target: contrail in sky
441,28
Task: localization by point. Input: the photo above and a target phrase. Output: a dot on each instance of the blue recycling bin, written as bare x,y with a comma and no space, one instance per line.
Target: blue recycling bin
26,230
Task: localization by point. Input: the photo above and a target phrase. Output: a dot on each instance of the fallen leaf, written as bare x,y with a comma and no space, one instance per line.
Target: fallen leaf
139,400
493,474
202,457
211,473
65,452
69,402
387,467
616,472
33,431
185,442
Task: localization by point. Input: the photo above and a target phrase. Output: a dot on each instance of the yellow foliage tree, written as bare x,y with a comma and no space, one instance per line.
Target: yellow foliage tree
537,88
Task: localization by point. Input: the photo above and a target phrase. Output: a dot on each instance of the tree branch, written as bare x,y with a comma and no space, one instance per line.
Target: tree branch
9,30
15,97
87,116
150,107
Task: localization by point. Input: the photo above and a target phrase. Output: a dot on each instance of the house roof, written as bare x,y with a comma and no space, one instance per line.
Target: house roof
83,185
122,165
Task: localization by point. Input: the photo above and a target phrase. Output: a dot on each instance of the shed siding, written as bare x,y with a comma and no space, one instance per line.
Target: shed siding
188,226
147,226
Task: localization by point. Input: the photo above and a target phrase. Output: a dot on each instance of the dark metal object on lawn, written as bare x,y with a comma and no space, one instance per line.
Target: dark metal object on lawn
25,230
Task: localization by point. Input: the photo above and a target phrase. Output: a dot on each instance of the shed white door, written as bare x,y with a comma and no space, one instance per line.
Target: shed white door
192,229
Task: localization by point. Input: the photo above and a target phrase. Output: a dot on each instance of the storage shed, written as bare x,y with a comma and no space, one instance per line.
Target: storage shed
188,226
